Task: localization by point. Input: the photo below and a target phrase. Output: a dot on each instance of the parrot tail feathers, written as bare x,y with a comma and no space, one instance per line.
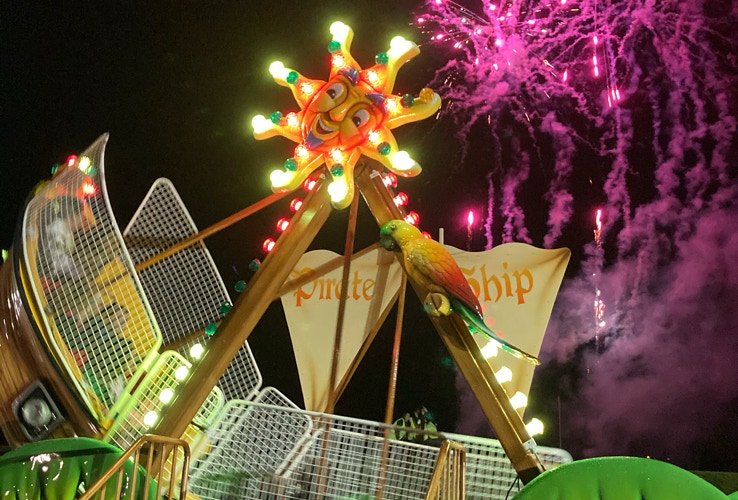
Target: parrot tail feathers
476,325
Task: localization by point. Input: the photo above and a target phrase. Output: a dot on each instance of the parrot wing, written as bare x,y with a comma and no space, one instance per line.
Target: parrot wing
439,269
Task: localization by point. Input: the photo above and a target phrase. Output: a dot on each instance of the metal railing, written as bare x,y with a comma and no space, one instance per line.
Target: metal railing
448,481
165,467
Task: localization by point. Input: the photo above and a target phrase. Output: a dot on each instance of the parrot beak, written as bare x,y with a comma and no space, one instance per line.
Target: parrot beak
388,243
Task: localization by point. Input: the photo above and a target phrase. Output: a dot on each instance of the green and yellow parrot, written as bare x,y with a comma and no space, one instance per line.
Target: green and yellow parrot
430,264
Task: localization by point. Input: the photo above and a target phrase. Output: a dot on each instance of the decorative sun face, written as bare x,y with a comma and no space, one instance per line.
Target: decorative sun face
350,115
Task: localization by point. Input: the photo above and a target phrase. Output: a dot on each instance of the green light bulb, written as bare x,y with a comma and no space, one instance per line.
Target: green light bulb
276,117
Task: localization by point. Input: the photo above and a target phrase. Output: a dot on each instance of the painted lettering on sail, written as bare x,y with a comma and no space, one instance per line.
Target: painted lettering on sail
327,288
489,286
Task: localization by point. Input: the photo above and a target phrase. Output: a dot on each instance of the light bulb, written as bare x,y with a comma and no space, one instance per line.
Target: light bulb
166,395
519,400
534,427
181,373
150,418
504,374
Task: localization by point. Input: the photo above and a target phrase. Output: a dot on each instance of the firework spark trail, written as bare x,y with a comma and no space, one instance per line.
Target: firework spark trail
558,196
514,228
489,219
661,120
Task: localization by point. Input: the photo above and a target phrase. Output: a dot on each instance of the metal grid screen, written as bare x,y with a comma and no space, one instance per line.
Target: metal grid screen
267,448
489,474
347,458
250,441
141,409
185,289
94,312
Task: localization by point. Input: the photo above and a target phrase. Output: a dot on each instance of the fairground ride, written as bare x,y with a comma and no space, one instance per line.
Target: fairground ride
128,340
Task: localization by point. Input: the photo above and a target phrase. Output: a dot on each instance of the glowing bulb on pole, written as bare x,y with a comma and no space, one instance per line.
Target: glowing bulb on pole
534,427
490,350
504,374
519,400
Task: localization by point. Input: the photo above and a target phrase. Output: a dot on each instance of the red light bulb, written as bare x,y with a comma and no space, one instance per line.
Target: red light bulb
268,244
89,189
401,199
295,204
389,179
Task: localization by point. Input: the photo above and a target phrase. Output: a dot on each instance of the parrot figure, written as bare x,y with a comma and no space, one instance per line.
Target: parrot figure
430,264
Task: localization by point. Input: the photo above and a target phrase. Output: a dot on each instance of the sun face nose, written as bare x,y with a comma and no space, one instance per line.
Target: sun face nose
338,113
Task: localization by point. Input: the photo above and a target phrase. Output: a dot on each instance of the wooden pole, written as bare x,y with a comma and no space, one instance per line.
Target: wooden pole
363,350
392,389
209,231
348,250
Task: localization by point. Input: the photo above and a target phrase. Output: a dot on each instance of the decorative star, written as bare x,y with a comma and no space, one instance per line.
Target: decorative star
351,114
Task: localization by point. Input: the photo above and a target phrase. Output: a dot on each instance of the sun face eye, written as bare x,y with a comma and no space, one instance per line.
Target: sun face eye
360,117
336,91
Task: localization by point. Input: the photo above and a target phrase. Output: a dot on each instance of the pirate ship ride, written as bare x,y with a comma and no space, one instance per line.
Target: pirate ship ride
128,340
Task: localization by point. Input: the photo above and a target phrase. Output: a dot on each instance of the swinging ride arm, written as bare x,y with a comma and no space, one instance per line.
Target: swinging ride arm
495,403
265,286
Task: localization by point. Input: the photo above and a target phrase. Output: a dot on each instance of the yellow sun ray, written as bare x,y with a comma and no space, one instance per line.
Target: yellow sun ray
349,115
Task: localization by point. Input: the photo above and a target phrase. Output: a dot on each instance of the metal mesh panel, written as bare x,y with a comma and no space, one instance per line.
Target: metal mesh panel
489,474
278,451
345,462
270,451
141,408
94,314
250,441
185,290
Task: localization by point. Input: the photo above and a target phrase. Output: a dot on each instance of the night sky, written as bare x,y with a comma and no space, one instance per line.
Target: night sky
176,84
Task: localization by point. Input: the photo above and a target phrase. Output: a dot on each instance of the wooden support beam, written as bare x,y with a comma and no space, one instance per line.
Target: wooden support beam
341,387
247,310
345,278
506,422
495,403
209,231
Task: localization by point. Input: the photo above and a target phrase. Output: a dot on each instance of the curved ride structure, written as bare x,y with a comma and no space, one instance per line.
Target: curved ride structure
92,350
109,334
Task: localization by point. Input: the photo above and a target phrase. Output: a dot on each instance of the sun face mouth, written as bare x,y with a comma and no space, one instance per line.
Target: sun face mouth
322,128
